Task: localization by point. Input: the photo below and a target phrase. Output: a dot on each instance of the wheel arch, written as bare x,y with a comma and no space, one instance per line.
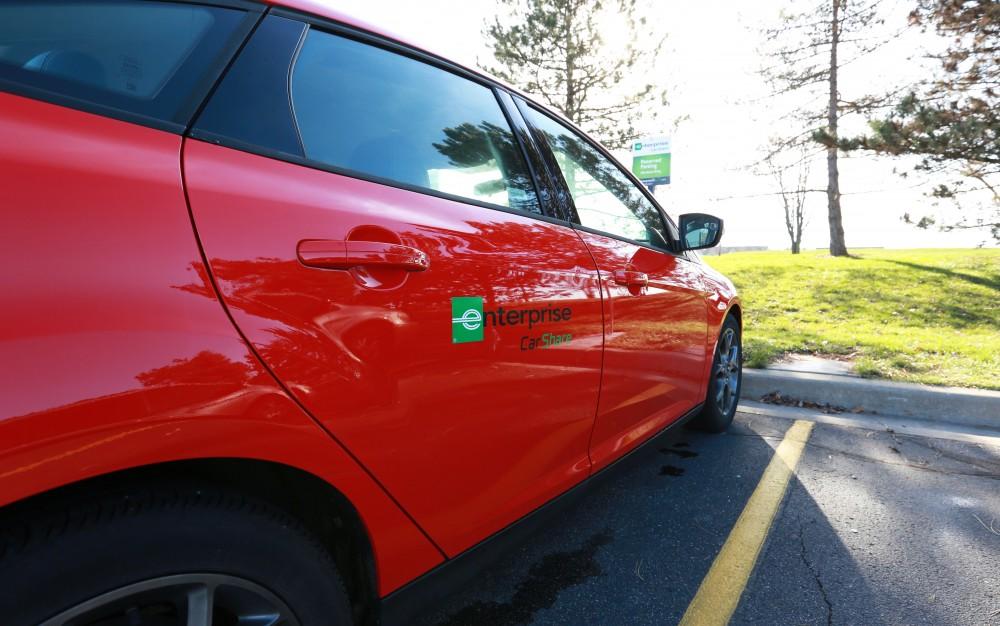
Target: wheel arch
320,507
717,317
736,310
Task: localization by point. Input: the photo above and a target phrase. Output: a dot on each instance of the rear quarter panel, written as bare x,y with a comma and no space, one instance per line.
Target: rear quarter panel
114,350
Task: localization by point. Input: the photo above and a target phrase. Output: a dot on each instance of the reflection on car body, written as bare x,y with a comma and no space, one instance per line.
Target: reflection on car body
319,310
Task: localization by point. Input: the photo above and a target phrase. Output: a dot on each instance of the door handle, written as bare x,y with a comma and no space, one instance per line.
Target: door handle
330,254
631,278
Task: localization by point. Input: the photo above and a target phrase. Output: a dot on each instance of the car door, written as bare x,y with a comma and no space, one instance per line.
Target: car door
376,234
656,316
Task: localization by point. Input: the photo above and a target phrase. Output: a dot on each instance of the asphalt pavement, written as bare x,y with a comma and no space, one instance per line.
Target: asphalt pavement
875,527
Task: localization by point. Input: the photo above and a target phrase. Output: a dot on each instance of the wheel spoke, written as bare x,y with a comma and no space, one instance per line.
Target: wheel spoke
197,599
269,619
199,605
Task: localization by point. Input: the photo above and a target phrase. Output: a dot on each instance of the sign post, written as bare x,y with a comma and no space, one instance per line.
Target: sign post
651,160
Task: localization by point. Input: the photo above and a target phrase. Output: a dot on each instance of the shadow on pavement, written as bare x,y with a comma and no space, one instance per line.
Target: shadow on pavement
635,548
889,533
539,589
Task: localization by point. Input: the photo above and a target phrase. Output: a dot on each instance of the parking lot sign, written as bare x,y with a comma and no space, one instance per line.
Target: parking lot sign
651,160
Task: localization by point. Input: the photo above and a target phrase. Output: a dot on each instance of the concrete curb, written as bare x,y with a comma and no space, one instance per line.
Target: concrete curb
970,407
935,429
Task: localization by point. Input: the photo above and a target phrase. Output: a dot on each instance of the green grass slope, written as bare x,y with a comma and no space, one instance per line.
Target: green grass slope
929,316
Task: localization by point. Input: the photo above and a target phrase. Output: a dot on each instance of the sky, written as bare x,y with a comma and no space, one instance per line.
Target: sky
710,68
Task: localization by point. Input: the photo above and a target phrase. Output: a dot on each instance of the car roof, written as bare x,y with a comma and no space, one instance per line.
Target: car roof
327,9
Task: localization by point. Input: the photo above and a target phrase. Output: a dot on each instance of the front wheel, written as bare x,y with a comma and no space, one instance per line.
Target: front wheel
725,382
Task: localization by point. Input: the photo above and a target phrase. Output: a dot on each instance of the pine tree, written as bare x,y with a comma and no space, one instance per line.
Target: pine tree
953,122
554,50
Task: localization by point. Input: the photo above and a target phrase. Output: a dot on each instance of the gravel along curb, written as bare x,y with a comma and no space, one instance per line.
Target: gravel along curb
969,407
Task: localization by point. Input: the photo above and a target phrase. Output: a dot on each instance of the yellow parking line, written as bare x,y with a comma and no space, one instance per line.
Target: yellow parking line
722,587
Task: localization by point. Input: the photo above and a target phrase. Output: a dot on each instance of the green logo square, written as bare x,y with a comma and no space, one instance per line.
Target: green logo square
466,319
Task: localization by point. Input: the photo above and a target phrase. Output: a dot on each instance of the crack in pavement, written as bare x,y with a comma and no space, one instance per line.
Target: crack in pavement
861,457
983,464
755,436
815,574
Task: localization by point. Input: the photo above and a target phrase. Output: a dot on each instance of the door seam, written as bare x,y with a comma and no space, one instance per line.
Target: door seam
225,307
604,339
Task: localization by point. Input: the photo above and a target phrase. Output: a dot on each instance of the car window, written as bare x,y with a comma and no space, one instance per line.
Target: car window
605,198
251,105
142,58
376,112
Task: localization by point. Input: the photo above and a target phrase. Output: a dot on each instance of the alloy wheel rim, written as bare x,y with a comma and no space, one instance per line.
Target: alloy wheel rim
727,370
199,599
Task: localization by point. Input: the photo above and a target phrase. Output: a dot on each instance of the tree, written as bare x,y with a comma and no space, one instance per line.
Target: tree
792,198
469,146
554,49
814,48
952,122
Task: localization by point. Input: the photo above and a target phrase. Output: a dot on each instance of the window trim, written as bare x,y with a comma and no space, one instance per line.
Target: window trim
196,131
362,36
560,180
519,128
295,159
554,203
537,167
549,181
344,31
195,100
289,74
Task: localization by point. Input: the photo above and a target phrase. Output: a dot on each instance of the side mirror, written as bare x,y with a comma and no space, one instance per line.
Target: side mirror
699,230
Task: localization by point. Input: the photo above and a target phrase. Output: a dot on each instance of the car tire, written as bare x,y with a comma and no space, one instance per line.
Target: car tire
725,382
153,557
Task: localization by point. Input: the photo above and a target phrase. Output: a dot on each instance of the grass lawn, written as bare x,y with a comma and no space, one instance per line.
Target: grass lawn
928,316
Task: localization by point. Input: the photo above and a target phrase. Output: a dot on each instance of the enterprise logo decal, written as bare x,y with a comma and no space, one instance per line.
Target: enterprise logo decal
466,319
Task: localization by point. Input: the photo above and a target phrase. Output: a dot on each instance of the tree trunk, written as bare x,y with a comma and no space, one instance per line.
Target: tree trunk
837,245
570,109
789,227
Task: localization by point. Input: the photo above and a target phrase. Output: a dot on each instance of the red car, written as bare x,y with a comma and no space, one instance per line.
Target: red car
298,318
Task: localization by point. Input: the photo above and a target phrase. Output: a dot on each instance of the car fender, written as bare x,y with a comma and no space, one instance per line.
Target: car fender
53,448
722,300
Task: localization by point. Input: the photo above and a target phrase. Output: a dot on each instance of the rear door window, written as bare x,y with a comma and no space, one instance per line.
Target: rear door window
136,59
368,110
